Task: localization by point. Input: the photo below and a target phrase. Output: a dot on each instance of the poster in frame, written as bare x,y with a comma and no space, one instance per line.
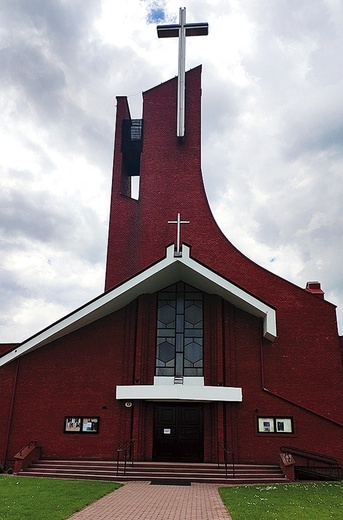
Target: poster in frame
266,424
90,424
274,425
81,424
72,424
284,425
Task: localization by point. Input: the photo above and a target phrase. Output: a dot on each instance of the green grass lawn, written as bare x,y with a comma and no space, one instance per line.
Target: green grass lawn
47,498
302,501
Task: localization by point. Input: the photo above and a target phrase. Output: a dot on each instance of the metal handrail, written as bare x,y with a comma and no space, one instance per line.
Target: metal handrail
312,457
126,448
306,454
227,451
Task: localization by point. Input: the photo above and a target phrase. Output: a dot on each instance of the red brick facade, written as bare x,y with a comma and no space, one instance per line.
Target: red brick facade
297,376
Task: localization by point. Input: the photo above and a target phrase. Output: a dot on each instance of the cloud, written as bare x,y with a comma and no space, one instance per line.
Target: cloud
271,148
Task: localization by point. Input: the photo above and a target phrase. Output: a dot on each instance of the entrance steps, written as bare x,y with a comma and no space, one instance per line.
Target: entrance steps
157,471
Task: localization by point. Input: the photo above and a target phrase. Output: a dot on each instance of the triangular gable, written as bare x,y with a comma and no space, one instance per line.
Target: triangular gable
165,272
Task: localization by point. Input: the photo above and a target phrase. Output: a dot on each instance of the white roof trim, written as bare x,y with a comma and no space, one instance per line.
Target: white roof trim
165,272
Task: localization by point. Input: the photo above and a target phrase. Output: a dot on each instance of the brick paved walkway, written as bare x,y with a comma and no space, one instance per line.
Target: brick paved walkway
141,501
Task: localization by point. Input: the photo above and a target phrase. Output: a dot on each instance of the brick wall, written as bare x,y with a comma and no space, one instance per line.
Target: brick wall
77,376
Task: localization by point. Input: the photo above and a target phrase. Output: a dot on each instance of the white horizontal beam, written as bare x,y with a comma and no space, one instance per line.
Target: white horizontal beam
179,393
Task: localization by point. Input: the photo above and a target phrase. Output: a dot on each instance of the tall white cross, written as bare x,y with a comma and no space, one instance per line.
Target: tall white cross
178,232
181,30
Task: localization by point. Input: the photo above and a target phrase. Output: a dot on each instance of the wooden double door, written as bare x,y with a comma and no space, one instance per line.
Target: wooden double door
178,432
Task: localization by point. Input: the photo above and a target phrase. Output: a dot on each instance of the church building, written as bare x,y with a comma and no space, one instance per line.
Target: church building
192,345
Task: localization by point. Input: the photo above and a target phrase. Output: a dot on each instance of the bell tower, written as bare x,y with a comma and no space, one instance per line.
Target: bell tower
170,179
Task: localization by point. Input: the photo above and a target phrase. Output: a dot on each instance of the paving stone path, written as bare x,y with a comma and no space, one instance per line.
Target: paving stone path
142,501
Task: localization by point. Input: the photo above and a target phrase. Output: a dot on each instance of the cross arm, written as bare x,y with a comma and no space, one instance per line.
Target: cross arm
196,29
168,31
192,29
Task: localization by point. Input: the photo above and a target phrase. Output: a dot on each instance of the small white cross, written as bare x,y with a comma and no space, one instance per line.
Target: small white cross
181,30
178,232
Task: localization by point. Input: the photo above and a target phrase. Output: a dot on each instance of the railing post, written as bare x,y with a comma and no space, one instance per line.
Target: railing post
128,445
233,465
227,451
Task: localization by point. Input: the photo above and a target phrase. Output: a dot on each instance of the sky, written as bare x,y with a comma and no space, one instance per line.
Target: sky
272,138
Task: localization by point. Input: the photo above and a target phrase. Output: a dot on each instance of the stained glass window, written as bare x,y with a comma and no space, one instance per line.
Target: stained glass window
179,331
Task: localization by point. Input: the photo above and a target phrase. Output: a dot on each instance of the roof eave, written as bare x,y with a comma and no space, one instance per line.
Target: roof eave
165,272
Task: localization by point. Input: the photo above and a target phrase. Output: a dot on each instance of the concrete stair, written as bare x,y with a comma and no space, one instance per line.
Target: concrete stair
160,471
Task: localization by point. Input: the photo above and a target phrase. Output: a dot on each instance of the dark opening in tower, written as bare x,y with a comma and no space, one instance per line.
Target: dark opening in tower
131,148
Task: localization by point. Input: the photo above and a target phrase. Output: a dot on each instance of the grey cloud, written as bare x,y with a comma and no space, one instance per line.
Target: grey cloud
39,79
292,21
51,220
